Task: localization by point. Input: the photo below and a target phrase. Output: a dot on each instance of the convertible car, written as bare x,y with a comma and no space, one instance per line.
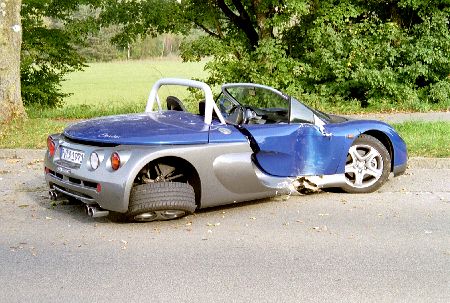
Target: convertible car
252,142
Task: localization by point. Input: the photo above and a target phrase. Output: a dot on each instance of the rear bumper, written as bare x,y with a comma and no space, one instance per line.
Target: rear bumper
103,186
62,184
108,196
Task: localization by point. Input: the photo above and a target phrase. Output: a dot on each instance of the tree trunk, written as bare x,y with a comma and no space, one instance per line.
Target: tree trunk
11,105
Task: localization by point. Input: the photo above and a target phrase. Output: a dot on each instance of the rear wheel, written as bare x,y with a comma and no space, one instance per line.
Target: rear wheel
368,165
161,192
161,201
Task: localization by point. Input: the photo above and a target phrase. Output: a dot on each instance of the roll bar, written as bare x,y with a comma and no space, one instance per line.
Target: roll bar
210,105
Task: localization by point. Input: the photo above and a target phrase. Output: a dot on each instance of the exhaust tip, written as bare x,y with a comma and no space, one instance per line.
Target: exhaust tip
52,195
95,212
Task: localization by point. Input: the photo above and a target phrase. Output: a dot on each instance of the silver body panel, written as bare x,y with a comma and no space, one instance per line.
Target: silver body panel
227,173
215,164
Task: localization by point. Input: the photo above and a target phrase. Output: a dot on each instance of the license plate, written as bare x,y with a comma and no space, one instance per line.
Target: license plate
71,155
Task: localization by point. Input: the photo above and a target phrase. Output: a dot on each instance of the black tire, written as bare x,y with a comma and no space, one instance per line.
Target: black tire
367,166
161,201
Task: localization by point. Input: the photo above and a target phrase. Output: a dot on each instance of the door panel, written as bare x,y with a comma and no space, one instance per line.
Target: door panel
295,149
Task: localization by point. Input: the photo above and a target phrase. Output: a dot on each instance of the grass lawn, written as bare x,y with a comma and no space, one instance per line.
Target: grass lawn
426,139
125,81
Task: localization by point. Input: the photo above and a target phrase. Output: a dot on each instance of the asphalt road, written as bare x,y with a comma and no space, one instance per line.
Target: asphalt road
389,246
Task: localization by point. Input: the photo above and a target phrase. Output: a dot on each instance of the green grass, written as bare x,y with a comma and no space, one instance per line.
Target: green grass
124,82
426,139
29,133
84,111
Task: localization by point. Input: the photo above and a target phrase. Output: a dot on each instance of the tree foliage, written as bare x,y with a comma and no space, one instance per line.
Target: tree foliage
390,54
49,35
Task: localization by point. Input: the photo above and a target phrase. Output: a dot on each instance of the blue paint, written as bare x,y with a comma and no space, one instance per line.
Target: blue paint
304,149
220,133
168,127
296,149
357,127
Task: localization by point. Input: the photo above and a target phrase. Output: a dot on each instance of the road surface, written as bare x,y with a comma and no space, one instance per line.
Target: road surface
392,245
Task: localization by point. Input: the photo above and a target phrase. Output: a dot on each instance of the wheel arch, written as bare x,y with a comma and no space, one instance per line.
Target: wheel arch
384,139
191,173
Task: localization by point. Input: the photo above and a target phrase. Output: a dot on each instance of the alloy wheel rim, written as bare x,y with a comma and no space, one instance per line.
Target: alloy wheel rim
364,166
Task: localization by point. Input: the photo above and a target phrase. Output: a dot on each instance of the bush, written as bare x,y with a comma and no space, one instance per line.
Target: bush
349,55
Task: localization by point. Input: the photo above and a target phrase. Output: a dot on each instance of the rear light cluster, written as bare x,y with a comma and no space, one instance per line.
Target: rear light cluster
94,159
51,146
115,161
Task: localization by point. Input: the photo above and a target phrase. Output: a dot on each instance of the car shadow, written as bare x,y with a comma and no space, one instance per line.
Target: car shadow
37,191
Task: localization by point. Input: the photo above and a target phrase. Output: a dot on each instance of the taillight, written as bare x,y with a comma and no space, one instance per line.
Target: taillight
95,160
115,161
51,146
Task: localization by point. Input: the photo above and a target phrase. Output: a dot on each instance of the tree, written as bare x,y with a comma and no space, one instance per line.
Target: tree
10,42
392,54
48,51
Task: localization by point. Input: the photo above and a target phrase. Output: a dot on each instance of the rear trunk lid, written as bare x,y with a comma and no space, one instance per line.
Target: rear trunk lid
167,127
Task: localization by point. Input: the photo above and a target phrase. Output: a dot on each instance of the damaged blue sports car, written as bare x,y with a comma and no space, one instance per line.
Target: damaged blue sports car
251,142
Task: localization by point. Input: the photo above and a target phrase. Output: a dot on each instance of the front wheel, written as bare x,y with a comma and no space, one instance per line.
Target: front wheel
368,165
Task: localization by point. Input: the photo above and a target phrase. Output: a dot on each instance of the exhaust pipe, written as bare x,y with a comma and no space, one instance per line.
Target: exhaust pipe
53,195
95,212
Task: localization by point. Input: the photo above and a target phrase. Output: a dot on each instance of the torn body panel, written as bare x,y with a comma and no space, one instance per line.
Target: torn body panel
293,150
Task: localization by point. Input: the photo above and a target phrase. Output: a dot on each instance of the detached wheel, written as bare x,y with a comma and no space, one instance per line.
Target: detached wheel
161,201
368,165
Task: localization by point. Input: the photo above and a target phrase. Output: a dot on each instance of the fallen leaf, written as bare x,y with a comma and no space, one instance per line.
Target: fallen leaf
213,224
23,205
35,161
12,161
320,228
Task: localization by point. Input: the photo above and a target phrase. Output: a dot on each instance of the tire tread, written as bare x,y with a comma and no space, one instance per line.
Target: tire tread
161,196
